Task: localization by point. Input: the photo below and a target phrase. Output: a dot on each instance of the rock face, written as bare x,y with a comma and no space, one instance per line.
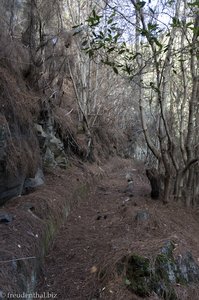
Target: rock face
23,145
16,161
19,158
51,146
144,276
12,171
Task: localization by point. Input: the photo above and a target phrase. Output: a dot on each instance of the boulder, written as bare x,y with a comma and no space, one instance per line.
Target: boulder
145,276
188,270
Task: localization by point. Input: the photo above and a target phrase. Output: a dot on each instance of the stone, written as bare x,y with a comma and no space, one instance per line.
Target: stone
158,275
129,176
5,217
167,248
142,215
40,134
49,158
130,189
188,270
61,161
38,180
28,206
53,147
138,275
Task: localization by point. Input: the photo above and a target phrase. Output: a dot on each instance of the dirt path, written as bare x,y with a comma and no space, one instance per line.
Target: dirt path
93,230
99,231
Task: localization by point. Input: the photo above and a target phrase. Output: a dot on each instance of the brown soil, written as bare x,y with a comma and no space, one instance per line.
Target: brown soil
102,229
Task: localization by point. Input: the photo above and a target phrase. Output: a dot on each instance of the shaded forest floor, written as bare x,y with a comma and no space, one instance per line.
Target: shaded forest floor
101,230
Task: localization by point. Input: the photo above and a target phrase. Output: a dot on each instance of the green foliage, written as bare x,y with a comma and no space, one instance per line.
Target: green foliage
106,39
176,22
94,19
140,4
170,2
193,4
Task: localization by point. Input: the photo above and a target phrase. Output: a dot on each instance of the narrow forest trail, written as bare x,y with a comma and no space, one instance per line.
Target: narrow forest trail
102,229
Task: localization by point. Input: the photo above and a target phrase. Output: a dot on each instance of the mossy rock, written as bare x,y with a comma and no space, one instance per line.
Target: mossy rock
138,275
165,268
143,279
143,276
163,289
164,272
